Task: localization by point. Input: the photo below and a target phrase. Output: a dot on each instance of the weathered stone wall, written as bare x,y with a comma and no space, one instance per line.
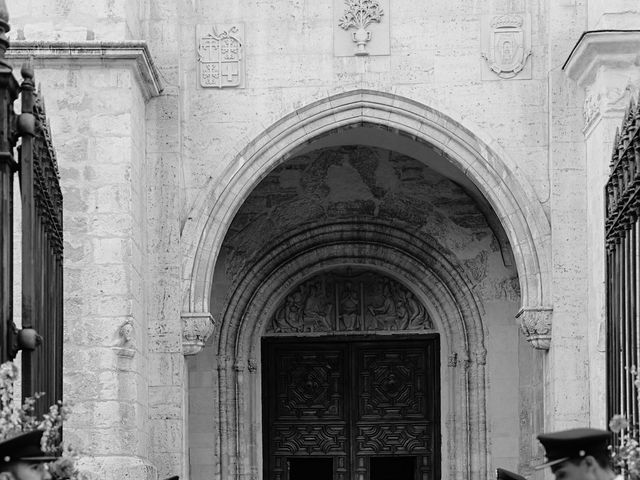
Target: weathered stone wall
74,20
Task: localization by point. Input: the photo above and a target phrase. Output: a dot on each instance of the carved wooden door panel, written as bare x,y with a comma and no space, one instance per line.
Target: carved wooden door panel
349,408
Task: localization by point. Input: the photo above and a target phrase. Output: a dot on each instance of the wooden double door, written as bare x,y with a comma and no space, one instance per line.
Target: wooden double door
345,408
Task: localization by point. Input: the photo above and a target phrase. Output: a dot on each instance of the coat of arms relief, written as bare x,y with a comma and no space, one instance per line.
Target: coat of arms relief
220,55
506,46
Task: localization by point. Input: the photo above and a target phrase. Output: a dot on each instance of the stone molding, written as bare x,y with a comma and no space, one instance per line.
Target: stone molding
598,48
535,323
196,330
132,53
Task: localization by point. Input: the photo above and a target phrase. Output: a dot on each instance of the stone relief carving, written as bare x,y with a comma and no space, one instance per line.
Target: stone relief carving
350,301
196,329
535,323
359,14
452,361
126,346
591,108
506,43
221,55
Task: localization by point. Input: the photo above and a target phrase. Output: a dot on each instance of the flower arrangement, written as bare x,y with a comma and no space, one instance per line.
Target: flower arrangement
16,419
626,454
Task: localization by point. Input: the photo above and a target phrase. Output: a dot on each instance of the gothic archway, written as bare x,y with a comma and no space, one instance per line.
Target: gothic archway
489,168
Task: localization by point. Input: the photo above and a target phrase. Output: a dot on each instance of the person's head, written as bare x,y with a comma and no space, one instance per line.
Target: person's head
22,458
590,467
578,454
22,470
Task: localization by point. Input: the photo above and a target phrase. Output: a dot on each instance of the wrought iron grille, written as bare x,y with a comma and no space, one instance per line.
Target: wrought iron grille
40,338
622,234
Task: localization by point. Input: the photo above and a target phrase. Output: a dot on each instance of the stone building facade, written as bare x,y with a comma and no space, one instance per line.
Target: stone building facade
239,175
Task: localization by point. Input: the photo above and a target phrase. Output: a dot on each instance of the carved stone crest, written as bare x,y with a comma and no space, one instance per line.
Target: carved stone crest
221,55
507,44
350,301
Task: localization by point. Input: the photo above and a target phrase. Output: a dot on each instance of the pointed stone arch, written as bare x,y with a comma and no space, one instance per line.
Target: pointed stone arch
437,281
495,175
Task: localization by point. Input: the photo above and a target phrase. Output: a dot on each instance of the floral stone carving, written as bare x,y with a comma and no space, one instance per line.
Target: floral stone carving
196,330
359,14
535,323
346,300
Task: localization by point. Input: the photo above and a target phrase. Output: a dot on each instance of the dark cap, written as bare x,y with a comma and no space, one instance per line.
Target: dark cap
24,447
175,477
502,474
575,443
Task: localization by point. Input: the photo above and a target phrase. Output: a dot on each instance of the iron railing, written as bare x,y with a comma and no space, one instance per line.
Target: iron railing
622,236
40,337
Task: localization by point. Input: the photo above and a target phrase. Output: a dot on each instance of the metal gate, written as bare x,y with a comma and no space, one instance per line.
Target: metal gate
622,232
40,338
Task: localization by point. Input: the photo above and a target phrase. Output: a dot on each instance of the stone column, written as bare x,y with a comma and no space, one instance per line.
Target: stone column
95,94
604,66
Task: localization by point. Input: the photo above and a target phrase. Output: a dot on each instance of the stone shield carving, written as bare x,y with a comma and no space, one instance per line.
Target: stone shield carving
220,55
506,44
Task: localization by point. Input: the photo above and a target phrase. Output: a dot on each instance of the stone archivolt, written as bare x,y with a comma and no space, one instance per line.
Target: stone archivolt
350,301
376,249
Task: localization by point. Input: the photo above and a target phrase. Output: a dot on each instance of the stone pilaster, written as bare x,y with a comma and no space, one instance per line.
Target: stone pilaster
98,130
604,66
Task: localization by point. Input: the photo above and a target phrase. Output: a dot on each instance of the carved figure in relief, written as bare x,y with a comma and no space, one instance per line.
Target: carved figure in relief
317,312
349,305
289,316
384,315
418,317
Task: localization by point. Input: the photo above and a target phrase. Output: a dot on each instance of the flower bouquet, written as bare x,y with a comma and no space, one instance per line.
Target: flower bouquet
16,419
626,454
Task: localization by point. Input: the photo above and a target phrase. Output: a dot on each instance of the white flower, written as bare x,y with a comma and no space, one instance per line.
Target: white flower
618,423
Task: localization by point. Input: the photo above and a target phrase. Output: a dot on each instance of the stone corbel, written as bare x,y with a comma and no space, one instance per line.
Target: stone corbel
196,329
535,323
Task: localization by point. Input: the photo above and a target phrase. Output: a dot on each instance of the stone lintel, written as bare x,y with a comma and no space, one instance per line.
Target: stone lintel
535,323
598,48
133,53
197,327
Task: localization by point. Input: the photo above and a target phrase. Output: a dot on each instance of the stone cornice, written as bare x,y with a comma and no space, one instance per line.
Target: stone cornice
597,48
136,53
